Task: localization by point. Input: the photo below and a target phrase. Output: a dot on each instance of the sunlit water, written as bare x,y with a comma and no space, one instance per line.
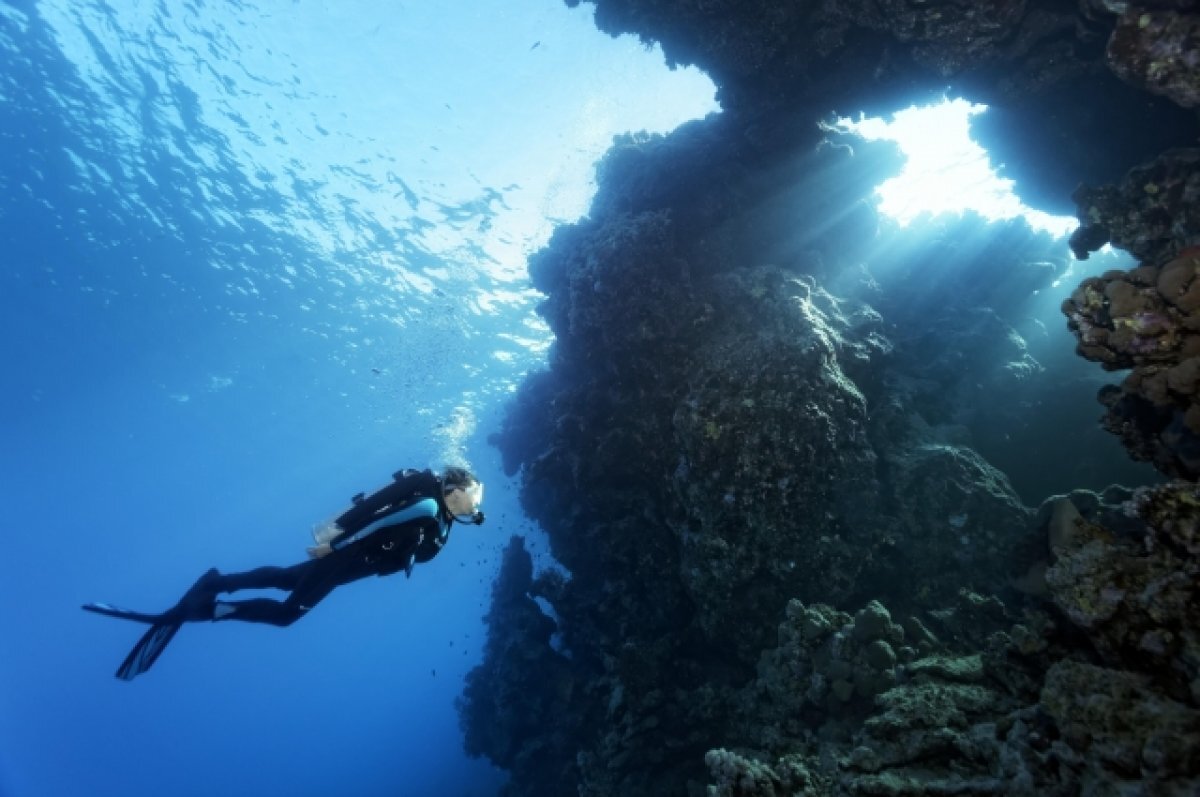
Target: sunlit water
945,170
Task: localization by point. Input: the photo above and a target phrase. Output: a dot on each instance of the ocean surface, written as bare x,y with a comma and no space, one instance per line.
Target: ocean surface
255,258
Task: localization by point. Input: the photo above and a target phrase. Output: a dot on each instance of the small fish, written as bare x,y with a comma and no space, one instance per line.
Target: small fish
536,44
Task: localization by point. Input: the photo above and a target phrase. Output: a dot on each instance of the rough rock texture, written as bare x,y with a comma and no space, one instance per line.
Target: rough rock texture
1121,732
525,673
1147,319
734,776
1040,66
1159,51
1134,592
951,726
970,700
761,403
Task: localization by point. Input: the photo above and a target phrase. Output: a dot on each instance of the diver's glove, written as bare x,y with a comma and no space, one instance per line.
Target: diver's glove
318,551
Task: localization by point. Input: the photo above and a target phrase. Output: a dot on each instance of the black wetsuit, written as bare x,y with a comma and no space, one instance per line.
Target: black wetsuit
405,523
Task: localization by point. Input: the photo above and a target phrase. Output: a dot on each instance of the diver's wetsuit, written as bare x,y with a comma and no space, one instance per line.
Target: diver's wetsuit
411,527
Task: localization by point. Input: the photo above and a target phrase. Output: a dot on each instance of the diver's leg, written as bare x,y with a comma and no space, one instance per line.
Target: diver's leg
200,602
319,578
284,578
258,610
197,603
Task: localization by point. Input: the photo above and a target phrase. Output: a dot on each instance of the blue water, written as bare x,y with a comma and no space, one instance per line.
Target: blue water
255,258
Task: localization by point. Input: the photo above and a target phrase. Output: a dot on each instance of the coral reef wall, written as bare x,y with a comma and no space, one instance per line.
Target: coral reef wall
783,452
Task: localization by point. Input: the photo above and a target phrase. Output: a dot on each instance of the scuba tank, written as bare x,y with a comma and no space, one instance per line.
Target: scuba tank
407,487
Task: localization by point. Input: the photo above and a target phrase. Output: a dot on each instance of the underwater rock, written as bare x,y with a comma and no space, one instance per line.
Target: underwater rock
960,522
1172,512
727,432
773,411
1147,319
958,719
1022,715
664,426
1123,734
1007,388
1152,213
1135,596
737,776
522,668
826,659
1157,50
1040,67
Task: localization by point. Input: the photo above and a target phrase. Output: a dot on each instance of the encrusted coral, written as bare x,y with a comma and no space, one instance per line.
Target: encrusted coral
734,775
1159,50
1120,734
1172,511
1021,716
942,719
827,664
1135,596
1153,213
523,670
1147,319
723,429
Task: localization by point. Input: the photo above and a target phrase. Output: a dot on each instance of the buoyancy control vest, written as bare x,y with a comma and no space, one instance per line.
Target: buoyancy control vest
401,524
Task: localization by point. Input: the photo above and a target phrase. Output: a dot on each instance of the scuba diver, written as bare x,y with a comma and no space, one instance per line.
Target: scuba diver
404,524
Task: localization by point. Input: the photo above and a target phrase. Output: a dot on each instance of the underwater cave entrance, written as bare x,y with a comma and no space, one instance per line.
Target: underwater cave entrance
946,177
973,298
946,171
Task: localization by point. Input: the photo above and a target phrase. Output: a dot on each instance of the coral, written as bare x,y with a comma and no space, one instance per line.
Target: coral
1172,511
1123,735
1024,715
1142,318
523,670
827,664
1159,51
727,433
956,515
1153,213
1134,596
944,721
737,776
1147,319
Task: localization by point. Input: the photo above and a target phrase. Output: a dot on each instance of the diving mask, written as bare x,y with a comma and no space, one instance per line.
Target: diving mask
464,502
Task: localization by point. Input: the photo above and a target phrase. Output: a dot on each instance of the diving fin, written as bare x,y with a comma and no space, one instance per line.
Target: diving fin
162,630
108,610
147,650
197,604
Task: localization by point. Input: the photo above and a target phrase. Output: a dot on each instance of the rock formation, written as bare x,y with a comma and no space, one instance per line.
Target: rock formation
770,445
